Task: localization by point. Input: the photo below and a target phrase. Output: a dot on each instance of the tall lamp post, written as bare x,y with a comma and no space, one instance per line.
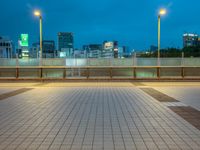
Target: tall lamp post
38,14
161,13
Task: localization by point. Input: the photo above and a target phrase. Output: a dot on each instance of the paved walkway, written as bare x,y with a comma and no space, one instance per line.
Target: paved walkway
86,116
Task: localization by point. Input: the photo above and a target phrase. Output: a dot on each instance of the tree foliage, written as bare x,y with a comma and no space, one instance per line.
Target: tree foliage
192,51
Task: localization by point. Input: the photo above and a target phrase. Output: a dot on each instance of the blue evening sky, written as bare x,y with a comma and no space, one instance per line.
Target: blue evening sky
132,22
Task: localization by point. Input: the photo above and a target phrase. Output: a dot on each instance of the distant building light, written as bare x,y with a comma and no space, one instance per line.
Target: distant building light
189,34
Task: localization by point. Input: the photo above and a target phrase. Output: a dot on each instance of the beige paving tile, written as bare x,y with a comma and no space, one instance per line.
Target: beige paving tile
95,116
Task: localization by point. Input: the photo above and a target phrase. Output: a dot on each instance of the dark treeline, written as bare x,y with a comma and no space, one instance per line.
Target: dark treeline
192,51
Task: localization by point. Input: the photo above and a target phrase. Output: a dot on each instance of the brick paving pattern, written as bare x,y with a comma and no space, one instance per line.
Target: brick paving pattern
104,116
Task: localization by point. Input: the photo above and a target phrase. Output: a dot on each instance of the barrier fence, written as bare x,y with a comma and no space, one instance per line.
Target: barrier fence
130,68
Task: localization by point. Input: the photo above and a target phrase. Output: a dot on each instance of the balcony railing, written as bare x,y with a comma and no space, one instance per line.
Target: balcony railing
129,68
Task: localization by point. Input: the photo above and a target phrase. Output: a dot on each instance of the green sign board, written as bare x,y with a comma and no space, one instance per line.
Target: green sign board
24,40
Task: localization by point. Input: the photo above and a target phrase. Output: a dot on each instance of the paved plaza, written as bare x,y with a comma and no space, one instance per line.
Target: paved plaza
100,116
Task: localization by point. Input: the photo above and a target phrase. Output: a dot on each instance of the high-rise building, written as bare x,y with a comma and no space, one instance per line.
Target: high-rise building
48,49
34,50
110,49
78,53
6,47
65,44
190,40
122,52
93,50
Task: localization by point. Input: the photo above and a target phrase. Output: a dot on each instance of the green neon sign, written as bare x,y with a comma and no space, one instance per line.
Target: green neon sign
24,40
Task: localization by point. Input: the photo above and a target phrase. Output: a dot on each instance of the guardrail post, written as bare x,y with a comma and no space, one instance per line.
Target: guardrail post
183,72
158,72
111,72
134,73
182,64
182,59
88,73
64,73
17,73
41,72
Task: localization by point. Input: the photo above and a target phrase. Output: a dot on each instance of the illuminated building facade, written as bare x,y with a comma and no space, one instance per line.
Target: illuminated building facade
190,40
110,49
6,48
65,44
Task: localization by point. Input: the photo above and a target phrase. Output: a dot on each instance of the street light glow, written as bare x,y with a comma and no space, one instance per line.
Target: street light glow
37,13
162,11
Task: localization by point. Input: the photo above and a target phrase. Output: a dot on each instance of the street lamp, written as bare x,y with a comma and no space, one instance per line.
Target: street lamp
38,14
161,13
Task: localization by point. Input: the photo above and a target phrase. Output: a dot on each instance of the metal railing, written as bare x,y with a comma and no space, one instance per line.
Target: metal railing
130,68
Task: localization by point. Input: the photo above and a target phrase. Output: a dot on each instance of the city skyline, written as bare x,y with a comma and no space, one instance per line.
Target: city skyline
90,23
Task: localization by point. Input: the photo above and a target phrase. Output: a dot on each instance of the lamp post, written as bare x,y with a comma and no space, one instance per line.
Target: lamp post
38,14
161,13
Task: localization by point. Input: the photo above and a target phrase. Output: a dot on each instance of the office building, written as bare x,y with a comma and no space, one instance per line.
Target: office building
48,49
110,49
122,52
65,44
93,50
190,40
34,50
80,53
6,48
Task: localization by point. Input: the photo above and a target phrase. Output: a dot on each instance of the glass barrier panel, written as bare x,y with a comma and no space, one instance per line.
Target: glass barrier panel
28,62
122,73
170,61
147,61
191,61
7,62
53,62
75,62
123,62
99,62
170,72
146,73
81,62
29,73
192,72
52,73
99,72
7,73
76,73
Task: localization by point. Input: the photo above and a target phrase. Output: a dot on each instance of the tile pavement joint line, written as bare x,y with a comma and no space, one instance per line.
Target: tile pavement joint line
14,93
161,97
188,113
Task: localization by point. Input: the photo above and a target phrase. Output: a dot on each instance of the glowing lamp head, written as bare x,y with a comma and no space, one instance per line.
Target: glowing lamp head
162,12
37,13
